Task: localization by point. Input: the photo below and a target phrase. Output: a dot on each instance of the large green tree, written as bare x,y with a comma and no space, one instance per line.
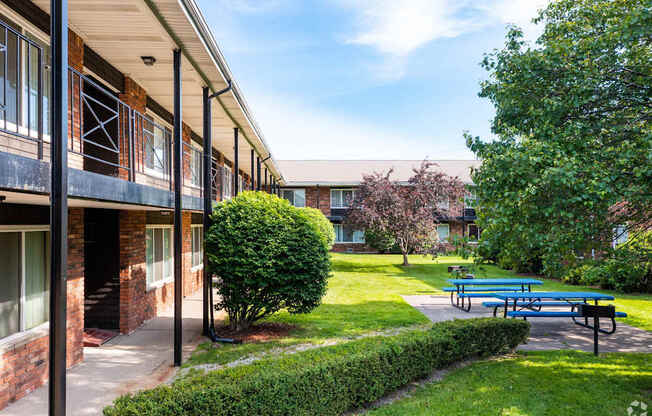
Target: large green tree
572,155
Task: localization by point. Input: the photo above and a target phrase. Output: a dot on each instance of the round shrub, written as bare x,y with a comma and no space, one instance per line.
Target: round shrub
323,225
267,255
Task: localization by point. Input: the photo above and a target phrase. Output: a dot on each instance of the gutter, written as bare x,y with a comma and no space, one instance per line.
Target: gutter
193,14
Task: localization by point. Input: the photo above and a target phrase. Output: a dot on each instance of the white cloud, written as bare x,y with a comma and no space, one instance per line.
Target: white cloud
296,130
395,29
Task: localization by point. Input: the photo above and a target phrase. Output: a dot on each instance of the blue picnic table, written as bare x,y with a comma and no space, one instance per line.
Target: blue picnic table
524,304
466,289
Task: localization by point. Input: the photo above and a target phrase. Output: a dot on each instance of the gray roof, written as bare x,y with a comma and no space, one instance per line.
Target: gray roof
350,172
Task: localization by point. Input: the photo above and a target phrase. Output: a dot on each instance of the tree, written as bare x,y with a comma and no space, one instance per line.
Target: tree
408,213
574,142
268,256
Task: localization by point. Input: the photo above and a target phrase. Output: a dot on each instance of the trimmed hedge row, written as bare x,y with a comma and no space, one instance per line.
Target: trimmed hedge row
329,380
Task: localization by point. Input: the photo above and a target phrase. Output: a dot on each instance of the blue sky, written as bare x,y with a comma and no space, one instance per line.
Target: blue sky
365,79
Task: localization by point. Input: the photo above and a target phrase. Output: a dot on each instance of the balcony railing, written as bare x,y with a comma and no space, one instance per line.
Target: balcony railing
105,136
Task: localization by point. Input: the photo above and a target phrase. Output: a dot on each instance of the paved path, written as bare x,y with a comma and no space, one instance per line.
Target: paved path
545,333
142,359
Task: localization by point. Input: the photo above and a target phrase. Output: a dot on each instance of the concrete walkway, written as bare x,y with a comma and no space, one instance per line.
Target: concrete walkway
545,333
127,363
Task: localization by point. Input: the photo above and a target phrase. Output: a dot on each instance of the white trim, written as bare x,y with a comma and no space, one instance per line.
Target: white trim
18,228
192,253
26,24
167,279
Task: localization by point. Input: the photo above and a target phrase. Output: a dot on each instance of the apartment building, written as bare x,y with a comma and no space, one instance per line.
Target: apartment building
330,186
129,63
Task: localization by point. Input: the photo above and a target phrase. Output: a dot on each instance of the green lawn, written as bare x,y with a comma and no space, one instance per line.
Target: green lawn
535,383
364,295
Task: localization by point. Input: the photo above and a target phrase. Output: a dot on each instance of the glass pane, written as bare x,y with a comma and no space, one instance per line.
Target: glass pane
158,254
149,242
347,198
167,254
336,198
348,234
442,231
300,198
36,279
358,236
9,283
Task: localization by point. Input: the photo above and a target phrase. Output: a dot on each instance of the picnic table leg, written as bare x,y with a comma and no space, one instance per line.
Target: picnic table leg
596,329
586,318
462,297
505,311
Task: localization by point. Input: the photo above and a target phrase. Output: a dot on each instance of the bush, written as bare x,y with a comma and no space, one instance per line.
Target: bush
383,242
323,225
268,256
328,380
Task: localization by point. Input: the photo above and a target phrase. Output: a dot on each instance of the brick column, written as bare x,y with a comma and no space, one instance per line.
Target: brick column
134,308
76,61
75,279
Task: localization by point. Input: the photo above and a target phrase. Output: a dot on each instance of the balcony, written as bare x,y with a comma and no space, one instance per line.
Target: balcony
105,135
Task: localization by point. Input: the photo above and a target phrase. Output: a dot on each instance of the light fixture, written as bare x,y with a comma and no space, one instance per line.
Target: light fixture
148,60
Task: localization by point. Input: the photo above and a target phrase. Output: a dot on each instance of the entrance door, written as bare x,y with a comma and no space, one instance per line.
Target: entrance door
101,269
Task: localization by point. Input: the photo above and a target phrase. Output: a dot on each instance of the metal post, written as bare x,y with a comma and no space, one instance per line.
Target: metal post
258,174
266,190
236,169
251,187
178,241
58,207
208,205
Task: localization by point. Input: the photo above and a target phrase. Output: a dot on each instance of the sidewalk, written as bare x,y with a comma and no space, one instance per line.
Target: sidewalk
127,363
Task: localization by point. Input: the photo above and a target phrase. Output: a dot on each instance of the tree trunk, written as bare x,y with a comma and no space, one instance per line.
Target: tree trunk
405,259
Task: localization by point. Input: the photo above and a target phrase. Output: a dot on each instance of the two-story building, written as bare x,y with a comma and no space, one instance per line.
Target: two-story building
123,59
330,186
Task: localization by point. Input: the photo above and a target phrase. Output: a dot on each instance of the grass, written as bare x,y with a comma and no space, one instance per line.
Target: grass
364,295
535,383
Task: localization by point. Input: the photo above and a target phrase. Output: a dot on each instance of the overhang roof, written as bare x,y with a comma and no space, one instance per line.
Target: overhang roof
350,172
122,31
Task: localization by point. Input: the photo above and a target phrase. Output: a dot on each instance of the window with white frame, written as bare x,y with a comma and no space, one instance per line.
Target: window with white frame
227,183
473,232
443,205
157,140
469,200
620,235
159,255
195,165
197,245
346,234
443,231
342,198
22,73
297,197
24,279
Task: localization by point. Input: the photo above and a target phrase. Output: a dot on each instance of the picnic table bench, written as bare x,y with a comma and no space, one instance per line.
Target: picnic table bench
466,289
523,307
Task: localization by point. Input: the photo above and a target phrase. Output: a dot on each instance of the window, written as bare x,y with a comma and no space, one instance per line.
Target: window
227,183
157,141
297,197
474,232
443,231
197,246
443,205
469,201
195,166
346,234
24,286
342,198
159,255
22,73
620,235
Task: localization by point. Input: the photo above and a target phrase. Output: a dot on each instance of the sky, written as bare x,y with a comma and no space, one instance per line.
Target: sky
366,79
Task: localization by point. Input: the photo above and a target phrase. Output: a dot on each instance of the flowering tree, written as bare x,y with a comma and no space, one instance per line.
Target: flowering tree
408,212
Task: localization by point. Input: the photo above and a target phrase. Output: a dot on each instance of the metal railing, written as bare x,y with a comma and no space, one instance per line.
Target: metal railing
21,63
106,134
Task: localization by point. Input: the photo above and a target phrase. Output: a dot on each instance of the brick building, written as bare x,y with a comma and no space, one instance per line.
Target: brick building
330,185
120,142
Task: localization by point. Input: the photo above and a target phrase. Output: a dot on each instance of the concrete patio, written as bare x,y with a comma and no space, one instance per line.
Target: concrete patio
545,334
126,363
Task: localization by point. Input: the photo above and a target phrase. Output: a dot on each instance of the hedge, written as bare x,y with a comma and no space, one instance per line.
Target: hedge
328,380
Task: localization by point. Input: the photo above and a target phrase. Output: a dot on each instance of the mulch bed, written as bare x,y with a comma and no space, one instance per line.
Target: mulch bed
265,331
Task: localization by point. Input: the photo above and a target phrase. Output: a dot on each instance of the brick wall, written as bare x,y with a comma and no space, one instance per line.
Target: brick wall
76,61
320,198
24,365
135,97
